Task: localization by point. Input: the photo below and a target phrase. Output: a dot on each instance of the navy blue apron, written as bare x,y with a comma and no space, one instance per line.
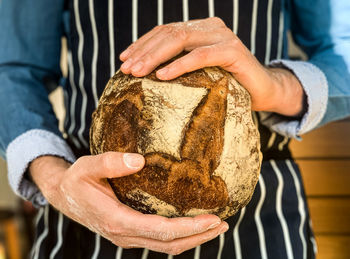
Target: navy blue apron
275,224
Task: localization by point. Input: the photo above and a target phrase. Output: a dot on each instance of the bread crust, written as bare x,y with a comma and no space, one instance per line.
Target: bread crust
196,132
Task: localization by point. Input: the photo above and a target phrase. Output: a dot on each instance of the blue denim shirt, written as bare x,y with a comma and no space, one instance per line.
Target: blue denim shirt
30,44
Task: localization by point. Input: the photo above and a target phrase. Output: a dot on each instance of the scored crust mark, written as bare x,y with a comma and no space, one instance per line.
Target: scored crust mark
243,163
203,139
122,120
123,116
169,107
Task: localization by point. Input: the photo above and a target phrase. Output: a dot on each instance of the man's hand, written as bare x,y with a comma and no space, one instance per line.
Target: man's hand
81,192
211,43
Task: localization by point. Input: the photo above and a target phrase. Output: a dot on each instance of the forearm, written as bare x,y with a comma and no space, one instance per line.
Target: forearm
46,173
28,126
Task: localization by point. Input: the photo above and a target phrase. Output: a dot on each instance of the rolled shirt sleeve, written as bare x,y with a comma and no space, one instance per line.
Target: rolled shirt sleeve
30,43
324,34
315,87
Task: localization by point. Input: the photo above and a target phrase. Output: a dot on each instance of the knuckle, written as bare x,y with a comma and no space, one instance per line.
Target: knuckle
167,29
227,32
123,244
167,237
159,27
218,21
175,250
176,32
201,53
131,47
108,161
233,45
181,35
82,160
115,231
148,58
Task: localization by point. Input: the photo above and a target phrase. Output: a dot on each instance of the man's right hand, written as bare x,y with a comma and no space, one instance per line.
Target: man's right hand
81,192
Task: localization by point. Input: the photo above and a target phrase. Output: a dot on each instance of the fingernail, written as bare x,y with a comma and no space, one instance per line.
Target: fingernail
133,161
162,72
127,64
214,225
137,67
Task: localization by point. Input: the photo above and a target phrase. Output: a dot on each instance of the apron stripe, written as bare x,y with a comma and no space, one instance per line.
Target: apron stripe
268,32
59,236
279,210
312,239
111,36
283,143
145,253
185,10
221,245
253,27
95,52
197,252
301,206
271,140
97,246
160,12
259,226
280,35
43,234
119,253
134,20
211,8
73,100
235,16
237,243
81,73
37,220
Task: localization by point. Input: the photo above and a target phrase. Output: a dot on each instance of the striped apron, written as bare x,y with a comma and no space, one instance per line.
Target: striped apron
275,224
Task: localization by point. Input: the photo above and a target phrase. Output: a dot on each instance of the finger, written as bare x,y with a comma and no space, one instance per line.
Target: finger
140,50
134,223
168,43
173,247
140,41
213,55
110,164
144,62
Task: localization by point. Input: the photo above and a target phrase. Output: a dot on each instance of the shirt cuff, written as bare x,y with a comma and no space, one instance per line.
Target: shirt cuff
315,86
23,150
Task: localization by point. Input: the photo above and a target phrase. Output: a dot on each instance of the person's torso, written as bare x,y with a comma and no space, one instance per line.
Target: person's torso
100,31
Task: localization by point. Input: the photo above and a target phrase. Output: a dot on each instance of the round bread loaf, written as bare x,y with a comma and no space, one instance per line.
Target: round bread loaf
196,132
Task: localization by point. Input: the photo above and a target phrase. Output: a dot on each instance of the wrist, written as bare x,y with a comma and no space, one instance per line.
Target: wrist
47,172
289,96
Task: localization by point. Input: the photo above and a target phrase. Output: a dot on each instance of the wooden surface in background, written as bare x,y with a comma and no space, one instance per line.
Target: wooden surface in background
326,177
333,247
324,160
330,141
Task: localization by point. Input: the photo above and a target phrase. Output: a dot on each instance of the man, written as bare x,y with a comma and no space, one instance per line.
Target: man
293,96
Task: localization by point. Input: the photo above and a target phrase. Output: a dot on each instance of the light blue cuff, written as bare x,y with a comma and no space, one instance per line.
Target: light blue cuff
315,86
23,150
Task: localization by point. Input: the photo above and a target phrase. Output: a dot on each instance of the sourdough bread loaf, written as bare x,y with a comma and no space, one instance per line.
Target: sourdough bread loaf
196,132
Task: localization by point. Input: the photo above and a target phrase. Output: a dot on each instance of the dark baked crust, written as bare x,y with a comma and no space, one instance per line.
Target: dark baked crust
122,123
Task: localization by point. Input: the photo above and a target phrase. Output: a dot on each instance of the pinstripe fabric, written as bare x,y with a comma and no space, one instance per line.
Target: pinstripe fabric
274,224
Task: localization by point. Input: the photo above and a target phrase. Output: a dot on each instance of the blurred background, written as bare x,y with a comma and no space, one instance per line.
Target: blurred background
323,156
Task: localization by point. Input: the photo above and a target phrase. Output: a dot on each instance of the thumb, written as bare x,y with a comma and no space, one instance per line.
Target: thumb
112,164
